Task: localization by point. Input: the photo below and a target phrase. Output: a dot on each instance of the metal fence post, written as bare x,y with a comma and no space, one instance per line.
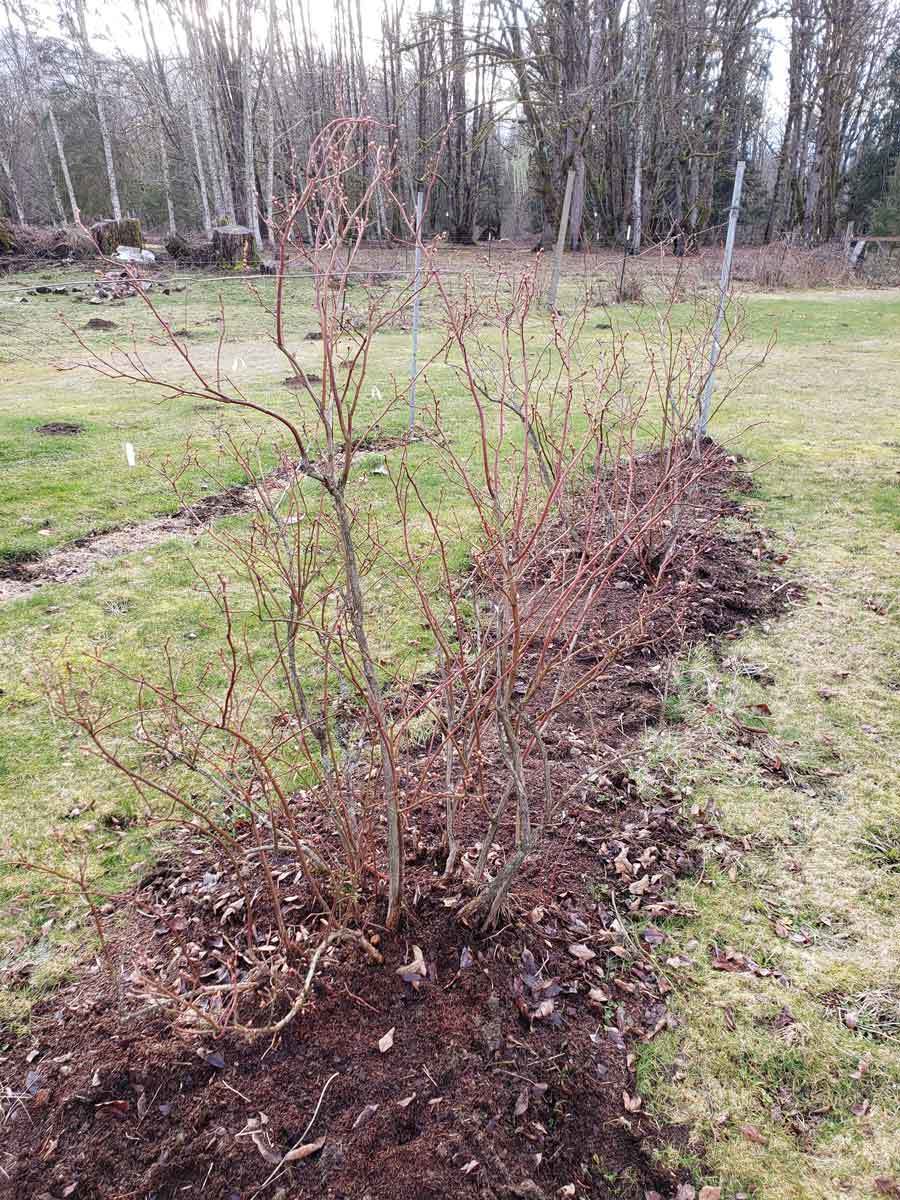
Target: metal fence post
560,242
724,281
417,303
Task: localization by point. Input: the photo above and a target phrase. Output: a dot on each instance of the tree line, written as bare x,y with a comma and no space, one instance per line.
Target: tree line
190,116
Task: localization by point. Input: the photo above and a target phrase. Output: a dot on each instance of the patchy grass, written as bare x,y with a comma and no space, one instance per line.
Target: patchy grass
790,1082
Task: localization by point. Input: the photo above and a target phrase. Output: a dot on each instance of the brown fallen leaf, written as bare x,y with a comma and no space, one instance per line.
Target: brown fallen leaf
784,1019
862,1067
261,1142
522,1101
407,1101
300,1152
653,936
386,1042
412,970
639,886
365,1115
621,863
470,1166
632,1103
581,952
752,1134
721,963
710,1193
686,1191
886,1187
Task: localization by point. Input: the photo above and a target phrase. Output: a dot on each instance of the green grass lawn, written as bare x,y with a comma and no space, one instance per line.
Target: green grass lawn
819,422
790,1083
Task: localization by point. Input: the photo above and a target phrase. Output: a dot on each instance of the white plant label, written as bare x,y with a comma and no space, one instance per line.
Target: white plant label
130,455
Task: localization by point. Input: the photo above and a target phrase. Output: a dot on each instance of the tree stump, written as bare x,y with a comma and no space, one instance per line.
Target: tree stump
178,247
233,246
111,234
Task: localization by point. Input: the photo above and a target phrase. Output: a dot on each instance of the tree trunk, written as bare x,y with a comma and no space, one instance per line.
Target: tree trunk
166,180
270,130
637,199
63,163
110,234
96,85
13,190
247,134
51,178
201,173
234,246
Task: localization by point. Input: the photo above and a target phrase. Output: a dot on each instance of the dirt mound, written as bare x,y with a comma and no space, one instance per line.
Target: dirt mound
100,323
508,1070
60,428
296,382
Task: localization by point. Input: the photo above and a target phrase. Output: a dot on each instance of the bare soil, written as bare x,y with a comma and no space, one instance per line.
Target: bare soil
60,428
511,1068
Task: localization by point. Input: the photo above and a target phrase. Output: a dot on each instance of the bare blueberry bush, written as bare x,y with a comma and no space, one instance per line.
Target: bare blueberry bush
295,752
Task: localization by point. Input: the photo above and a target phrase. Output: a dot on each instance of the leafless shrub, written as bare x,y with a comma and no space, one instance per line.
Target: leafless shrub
560,511
297,750
305,557
783,267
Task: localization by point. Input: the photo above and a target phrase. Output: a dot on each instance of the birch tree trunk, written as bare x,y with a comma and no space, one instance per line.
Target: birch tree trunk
96,87
51,178
247,130
34,94
270,128
201,173
13,189
63,162
166,180
640,95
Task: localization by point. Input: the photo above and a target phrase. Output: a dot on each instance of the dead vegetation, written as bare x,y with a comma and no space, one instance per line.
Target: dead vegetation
23,245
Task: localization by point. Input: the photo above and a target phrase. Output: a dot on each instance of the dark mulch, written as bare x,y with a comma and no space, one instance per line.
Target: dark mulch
511,1072
60,428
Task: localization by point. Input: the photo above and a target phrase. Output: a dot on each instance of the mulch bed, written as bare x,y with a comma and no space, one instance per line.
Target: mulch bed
510,1071
60,428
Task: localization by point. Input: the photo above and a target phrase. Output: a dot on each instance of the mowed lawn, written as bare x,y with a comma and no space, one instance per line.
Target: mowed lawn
788,1077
